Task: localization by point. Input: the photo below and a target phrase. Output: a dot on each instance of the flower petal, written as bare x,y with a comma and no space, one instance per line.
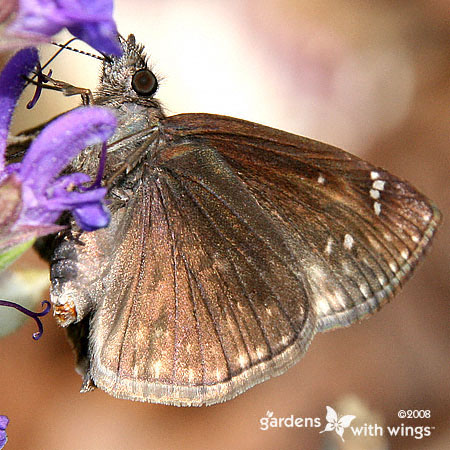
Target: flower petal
3,439
10,203
3,422
61,141
44,210
74,179
65,200
89,20
38,17
35,211
101,36
12,84
92,216
25,233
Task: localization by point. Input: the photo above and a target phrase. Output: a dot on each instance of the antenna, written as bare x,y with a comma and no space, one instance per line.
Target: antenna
66,46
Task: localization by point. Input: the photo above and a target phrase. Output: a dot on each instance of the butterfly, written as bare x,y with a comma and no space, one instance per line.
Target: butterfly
231,245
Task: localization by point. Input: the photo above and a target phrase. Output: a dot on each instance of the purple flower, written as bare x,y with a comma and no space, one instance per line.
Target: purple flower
88,20
32,197
3,424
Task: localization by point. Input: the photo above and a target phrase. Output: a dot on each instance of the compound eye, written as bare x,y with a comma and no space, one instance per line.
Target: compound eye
144,82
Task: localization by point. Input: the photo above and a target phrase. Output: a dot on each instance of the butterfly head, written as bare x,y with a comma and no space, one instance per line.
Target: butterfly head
128,79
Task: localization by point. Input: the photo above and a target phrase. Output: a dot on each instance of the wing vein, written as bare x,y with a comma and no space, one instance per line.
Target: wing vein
217,229
175,279
197,323
133,305
252,307
207,307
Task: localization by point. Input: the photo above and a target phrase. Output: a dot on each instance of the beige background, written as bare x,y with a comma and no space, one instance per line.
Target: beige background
369,76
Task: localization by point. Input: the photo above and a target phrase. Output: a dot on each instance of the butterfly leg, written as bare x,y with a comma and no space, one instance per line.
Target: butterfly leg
66,88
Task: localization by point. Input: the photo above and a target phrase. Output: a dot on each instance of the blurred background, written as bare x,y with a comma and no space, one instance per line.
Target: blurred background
372,77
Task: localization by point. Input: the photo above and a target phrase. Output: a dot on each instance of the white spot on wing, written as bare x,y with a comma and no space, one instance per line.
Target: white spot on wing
321,179
365,291
242,361
375,194
329,245
348,241
322,306
415,238
377,208
374,175
393,266
405,253
259,353
378,184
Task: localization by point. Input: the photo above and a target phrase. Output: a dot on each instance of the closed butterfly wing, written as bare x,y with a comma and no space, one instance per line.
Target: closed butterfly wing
238,244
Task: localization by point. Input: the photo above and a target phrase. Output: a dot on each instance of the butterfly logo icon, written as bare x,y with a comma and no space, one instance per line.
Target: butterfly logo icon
336,423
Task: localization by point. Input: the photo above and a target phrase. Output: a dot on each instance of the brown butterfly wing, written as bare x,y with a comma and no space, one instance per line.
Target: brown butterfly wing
239,244
195,297
356,231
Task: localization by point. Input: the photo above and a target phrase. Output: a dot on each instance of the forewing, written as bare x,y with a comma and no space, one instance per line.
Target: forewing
356,232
